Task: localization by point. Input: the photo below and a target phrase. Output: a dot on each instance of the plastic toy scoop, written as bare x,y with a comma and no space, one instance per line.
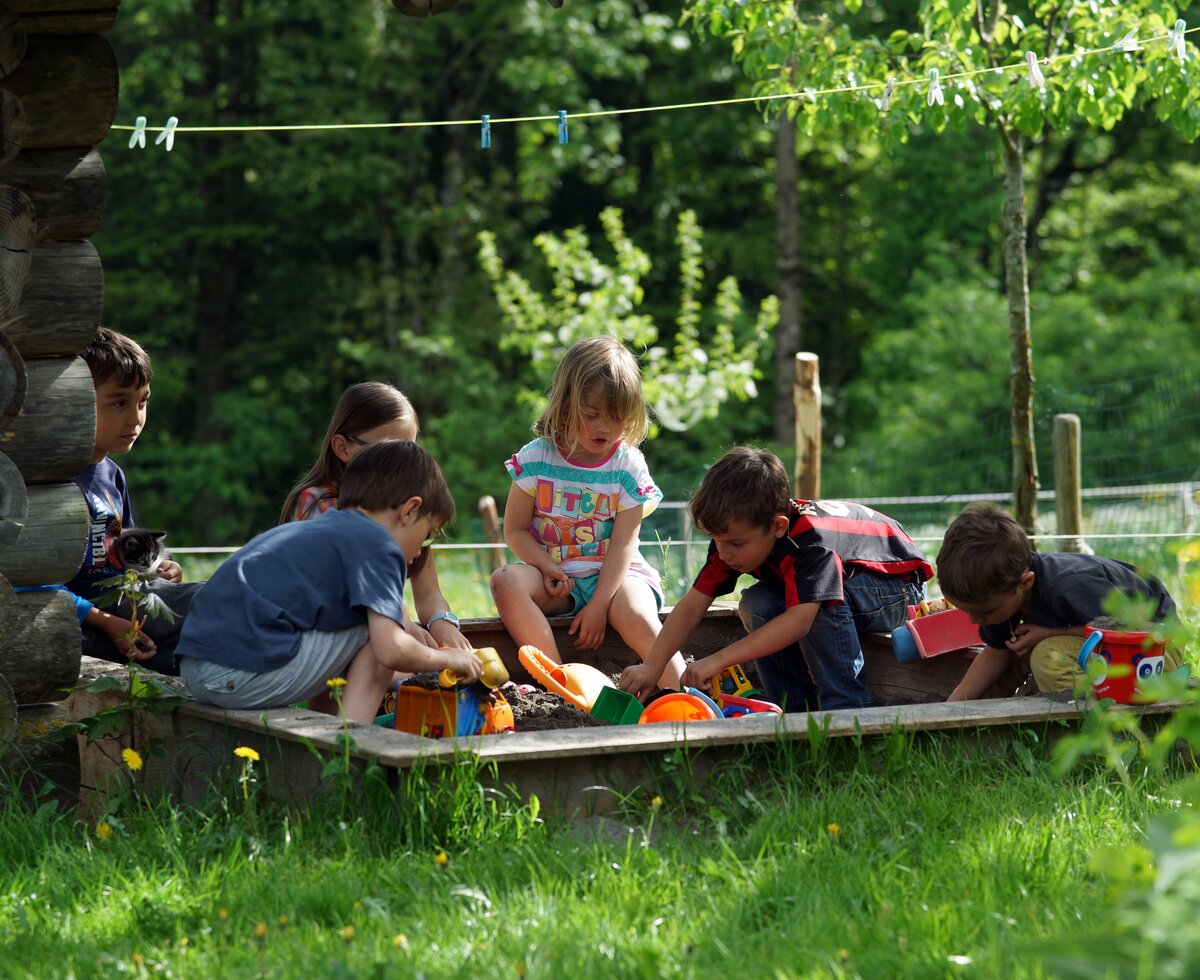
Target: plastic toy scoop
579,684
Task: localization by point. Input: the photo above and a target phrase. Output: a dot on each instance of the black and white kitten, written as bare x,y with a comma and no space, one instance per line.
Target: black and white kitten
140,550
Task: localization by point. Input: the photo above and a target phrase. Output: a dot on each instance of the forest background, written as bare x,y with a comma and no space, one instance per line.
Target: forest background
266,271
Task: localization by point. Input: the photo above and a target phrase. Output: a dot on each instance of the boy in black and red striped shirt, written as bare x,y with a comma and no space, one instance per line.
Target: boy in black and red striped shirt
826,570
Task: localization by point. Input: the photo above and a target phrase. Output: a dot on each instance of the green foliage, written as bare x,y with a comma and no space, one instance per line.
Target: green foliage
684,385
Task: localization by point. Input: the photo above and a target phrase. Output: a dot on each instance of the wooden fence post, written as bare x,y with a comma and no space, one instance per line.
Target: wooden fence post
806,396
491,530
1068,495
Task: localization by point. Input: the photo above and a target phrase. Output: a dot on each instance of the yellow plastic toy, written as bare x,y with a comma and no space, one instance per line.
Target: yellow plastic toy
494,673
732,680
579,684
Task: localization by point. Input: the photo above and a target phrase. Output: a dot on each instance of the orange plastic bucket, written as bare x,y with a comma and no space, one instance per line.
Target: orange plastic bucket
1135,660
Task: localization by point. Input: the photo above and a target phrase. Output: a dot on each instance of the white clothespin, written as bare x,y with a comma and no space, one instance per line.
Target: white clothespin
1036,78
138,138
935,88
883,101
1129,42
168,134
1175,42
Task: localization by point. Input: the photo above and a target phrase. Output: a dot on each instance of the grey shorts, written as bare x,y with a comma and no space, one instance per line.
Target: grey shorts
321,657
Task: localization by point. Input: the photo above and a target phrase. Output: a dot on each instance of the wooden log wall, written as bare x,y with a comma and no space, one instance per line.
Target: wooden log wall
58,100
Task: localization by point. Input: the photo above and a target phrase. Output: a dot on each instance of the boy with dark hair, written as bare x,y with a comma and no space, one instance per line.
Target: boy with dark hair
121,372
310,600
826,570
1029,605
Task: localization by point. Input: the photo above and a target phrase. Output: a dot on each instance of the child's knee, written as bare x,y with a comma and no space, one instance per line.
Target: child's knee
505,581
1055,664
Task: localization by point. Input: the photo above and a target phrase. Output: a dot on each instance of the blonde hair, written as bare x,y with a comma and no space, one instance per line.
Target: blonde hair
362,407
597,361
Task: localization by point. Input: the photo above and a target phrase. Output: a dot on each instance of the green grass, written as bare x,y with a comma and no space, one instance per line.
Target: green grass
915,856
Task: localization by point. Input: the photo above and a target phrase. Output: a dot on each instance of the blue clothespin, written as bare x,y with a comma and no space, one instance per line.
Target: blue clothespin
168,133
1036,78
562,127
884,100
485,133
1176,41
138,138
935,88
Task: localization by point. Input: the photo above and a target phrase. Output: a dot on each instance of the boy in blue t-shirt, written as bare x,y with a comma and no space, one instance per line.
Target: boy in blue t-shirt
121,372
309,601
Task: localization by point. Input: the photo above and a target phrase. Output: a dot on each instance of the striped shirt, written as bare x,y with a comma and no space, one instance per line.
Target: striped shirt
824,538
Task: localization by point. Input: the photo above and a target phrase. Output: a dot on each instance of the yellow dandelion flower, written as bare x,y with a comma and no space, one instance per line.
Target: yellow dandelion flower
335,683
400,941
132,759
347,933
833,829
260,931
183,941
103,831
222,913
358,906
137,959
843,955
245,752
283,921
657,802
441,859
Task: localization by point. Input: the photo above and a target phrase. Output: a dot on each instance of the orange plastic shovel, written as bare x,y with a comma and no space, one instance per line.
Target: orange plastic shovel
580,684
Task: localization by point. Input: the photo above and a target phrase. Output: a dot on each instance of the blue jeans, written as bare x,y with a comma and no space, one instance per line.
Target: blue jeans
824,669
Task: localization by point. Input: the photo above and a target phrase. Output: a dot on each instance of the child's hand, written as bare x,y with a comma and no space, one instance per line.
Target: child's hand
590,622
1029,636
466,666
420,634
700,673
128,639
557,582
170,570
639,680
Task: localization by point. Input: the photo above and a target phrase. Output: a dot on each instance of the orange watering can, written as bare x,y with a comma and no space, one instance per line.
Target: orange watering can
579,684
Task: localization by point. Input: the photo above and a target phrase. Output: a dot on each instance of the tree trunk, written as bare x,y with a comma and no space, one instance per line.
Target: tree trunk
66,187
1020,370
217,266
52,543
18,228
65,16
788,276
14,503
68,88
52,439
60,307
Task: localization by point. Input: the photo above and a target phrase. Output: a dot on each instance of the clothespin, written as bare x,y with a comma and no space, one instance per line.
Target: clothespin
882,102
485,132
138,138
1175,42
1036,78
563,138
935,88
1129,42
168,133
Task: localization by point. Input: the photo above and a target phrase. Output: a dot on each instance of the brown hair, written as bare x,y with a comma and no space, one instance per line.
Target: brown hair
602,361
746,484
984,553
112,355
362,407
383,476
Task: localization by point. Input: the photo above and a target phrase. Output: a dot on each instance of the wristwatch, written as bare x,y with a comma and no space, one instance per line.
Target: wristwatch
448,616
